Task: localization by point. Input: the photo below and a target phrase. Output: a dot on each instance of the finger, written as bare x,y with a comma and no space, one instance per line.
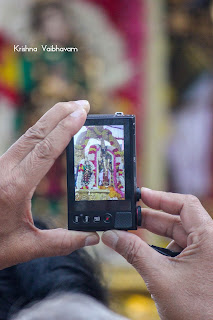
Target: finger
38,162
159,200
144,259
191,212
25,144
174,246
36,243
165,225
59,242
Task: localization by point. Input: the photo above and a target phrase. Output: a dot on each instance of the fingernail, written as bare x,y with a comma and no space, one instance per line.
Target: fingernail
110,238
83,103
91,240
146,189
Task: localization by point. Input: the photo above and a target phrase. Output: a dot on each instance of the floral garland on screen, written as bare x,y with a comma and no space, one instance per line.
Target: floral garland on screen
118,172
92,156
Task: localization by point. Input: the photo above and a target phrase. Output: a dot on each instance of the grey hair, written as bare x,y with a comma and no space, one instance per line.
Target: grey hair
68,307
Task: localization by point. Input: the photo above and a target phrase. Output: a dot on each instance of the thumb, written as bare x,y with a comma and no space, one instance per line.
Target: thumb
59,242
144,259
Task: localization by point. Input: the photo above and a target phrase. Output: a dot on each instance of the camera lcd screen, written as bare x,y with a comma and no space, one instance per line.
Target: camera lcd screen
99,163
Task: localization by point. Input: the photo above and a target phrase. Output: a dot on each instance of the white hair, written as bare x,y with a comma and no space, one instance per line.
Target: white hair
68,307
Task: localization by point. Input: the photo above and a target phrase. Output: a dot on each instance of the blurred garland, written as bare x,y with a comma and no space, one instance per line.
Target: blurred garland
190,26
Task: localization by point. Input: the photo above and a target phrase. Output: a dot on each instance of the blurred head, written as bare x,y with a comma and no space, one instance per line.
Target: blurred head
66,307
35,280
49,18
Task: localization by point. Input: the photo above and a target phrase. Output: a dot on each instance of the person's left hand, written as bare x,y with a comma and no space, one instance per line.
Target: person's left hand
21,169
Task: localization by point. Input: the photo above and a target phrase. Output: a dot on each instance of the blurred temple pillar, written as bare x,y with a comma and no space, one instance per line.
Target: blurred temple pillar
157,102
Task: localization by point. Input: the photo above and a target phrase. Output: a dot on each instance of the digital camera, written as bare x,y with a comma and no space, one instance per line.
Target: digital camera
101,175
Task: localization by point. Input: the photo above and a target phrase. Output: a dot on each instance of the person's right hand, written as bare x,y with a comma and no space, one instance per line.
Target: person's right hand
21,169
182,287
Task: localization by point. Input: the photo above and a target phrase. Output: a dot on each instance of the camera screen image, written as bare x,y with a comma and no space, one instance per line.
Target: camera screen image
99,163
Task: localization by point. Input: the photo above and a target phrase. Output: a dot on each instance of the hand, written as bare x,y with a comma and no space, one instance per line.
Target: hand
21,169
181,286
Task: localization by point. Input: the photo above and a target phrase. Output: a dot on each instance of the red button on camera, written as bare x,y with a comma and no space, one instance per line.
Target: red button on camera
107,218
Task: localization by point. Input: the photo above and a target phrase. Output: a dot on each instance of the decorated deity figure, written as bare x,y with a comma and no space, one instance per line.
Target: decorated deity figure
105,174
105,157
105,166
85,175
87,169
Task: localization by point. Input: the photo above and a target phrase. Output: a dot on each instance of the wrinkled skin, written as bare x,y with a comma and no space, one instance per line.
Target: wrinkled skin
21,169
182,287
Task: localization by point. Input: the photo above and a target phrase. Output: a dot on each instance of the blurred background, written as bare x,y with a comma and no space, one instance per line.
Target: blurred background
144,57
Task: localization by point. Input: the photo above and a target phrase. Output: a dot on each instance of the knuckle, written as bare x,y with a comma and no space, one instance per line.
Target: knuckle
65,125
5,166
65,245
8,190
44,149
173,227
36,132
132,253
160,201
191,199
5,192
199,238
63,106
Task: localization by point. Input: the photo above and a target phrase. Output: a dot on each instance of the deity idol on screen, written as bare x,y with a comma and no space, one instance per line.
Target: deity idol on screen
85,174
99,163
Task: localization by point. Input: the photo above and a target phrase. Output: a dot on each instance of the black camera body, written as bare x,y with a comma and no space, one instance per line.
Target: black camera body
101,175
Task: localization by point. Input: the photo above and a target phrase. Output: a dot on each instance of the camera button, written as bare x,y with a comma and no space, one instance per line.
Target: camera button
76,219
86,219
107,218
97,219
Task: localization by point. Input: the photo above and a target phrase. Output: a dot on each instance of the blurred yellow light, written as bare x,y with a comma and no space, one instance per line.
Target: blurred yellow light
141,307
